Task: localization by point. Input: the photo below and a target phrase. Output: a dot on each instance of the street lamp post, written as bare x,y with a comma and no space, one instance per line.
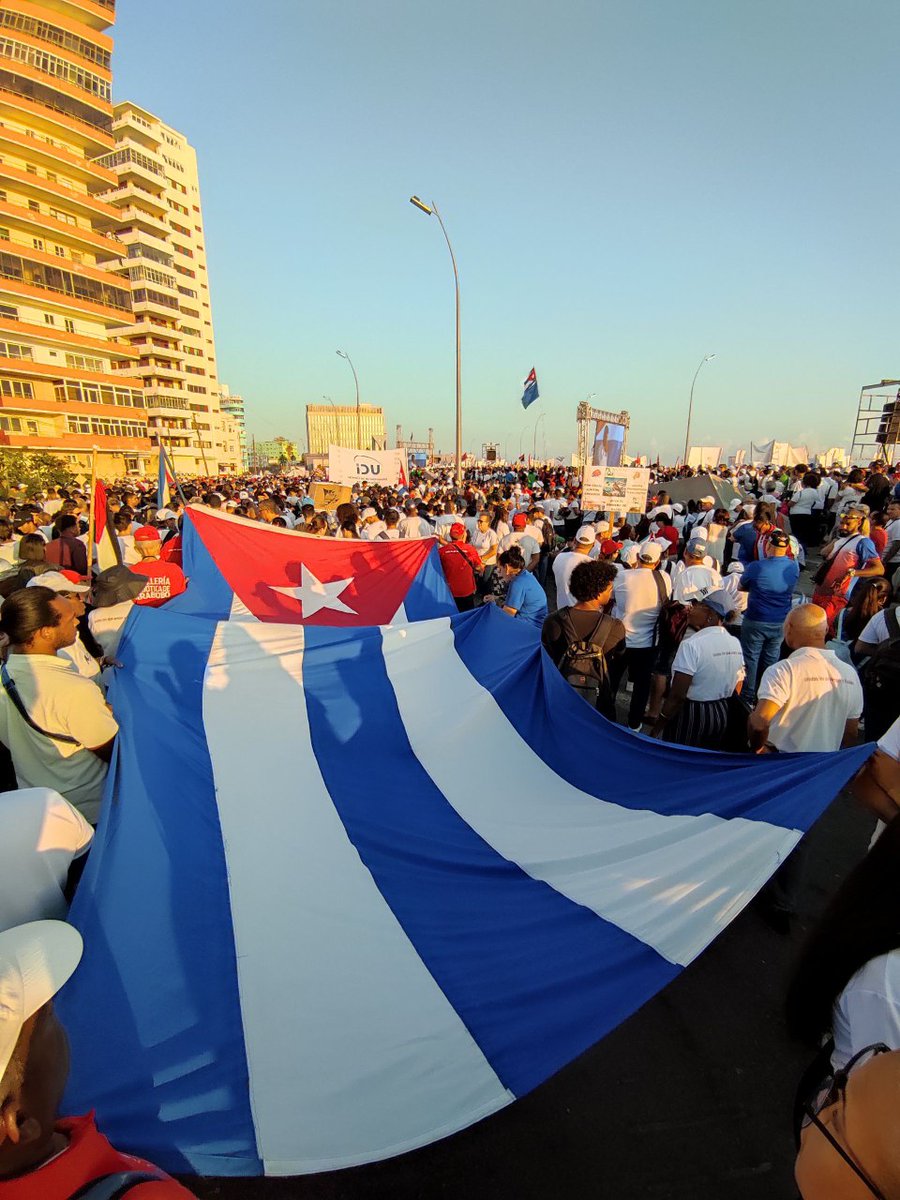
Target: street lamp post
687,432
534,443
430,209
344,354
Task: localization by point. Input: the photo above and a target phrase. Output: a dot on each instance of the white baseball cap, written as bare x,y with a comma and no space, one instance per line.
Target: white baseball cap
166,514
57,582
699,533
368,512
35,961
707,499
586,535
650,551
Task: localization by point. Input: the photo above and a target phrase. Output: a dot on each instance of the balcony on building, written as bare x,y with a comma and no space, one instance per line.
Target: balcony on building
52,157
40,106
96,14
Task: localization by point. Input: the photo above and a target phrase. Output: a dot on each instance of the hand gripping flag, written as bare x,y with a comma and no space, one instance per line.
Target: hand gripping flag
250,570
531,392
311,942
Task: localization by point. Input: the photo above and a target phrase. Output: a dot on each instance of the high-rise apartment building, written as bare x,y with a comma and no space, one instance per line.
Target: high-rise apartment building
233,406
340,425
161,251
67,382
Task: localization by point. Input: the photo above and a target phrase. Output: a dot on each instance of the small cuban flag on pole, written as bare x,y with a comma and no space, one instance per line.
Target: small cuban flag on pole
531,392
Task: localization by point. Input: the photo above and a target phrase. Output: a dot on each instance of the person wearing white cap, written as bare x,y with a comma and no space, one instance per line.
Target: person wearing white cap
43,835
707,670
639,595
42,1156
371,525
695,579
566,562
70,588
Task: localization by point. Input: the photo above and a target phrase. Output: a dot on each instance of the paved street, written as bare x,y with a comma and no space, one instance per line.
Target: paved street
688,1100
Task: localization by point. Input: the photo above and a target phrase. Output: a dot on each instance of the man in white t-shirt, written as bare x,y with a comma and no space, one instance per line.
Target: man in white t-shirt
696,579
531,550
414,526
639,595
42,836
564,564
43,690
811,701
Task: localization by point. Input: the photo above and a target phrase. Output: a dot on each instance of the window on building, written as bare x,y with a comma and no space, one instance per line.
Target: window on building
14,350
18,388
31,426
70,325
9,312
10,424
49,319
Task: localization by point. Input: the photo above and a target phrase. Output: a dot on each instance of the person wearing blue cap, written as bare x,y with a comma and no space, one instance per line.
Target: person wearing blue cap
708,669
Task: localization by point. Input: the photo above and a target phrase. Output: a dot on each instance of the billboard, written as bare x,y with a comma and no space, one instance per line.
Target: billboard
609,444
365,466
615,489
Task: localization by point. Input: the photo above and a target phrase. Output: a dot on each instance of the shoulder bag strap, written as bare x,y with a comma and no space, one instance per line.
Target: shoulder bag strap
466,559
13,692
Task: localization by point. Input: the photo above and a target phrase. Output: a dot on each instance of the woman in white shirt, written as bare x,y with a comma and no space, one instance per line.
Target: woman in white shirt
707,670
847,981
801,508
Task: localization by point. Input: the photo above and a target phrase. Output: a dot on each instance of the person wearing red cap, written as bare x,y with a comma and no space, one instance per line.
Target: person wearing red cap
462,566
530,547
165,578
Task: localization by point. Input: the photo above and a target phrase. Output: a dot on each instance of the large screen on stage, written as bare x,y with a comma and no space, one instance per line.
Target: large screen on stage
609,444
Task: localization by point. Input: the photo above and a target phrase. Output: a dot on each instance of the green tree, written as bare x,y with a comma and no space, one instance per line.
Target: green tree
37,469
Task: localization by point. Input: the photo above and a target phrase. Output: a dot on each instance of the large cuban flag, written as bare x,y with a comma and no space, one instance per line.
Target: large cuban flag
357,888
244,569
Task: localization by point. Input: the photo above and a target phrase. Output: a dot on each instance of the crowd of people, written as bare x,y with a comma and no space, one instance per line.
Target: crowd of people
757,617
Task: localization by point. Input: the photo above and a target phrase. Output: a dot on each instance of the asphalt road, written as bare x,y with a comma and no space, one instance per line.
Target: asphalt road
690,1098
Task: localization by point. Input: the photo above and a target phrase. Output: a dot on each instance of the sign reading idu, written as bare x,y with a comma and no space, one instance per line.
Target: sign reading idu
347,466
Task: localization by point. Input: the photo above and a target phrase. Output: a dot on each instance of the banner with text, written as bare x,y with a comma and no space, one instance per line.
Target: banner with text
615,489
386,467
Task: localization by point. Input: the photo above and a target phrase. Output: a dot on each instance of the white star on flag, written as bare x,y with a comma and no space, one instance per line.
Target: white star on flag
315,595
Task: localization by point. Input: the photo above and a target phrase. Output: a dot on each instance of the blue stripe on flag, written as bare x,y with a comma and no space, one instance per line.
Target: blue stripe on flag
491,936
504,655
209,593
156,997
428,595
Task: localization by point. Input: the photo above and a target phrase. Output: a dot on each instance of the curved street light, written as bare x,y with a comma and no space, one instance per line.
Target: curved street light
429,210
534,444
344,354
687,433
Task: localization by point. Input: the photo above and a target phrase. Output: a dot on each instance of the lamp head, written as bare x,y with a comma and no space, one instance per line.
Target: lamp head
421,204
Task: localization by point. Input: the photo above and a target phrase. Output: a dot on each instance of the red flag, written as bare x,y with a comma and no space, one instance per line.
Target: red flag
98,500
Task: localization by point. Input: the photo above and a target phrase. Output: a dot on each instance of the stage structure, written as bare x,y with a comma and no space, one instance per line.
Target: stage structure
421,454
489,452
877,432
607,431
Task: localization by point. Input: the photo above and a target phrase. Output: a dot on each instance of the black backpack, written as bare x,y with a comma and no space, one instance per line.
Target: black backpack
881,673
583,664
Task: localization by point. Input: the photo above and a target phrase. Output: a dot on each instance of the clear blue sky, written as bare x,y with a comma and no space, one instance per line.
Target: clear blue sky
628,186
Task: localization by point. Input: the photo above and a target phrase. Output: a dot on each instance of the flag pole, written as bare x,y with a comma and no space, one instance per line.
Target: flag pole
92,514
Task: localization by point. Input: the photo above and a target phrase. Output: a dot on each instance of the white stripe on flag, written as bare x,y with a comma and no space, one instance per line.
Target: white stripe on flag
335,1000
672,881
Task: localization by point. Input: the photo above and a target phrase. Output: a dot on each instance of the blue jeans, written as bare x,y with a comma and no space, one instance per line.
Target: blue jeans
761,643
